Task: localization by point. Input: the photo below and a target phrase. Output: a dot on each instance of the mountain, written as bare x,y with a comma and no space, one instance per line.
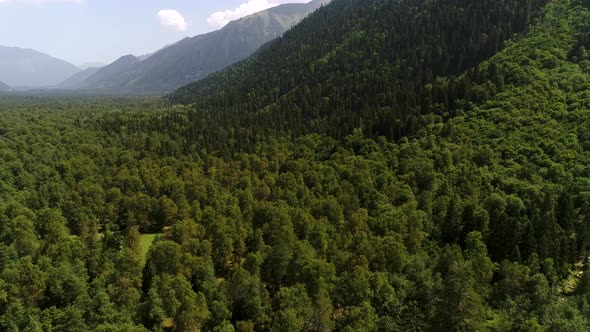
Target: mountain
397,51
111,76
78,78
28,68
147,55
194,58
5,88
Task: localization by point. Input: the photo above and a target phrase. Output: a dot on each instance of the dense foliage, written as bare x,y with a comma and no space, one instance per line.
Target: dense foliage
474,219
375,65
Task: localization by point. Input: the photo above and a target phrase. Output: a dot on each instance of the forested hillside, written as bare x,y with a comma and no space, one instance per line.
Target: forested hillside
319,206
376,65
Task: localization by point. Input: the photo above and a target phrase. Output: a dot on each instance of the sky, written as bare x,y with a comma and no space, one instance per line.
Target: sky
83,31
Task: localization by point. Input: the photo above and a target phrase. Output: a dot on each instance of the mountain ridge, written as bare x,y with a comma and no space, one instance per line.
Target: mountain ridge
78,78
351,49
103,78
194,58
20,67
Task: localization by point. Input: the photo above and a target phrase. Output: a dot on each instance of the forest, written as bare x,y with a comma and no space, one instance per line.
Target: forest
419,166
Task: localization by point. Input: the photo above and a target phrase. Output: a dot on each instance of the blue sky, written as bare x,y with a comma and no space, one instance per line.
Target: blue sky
83,31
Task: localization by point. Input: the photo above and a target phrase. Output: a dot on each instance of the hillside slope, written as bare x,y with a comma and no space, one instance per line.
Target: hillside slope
492,176
28,68
78,78
375,56
521,115
111,76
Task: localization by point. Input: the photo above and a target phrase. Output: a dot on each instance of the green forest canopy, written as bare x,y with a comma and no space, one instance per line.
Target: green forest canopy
468,213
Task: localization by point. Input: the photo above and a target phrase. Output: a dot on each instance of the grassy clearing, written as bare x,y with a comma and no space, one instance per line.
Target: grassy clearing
145,243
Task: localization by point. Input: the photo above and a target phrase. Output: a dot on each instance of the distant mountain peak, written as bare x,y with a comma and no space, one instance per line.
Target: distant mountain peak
129,58
106,77
22,67
194,58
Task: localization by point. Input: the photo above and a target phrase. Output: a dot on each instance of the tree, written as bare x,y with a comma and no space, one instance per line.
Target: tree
293,309
23,237
171,301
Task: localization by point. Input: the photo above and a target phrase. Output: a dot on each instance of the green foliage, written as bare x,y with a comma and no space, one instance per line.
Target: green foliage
377,66
132,215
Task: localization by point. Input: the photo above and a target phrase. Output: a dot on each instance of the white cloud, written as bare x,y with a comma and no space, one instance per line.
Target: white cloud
221,18
36,2
172,18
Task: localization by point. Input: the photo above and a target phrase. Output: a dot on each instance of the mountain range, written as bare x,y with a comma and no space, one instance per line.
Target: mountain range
163,71
194,58
28,68
105,77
